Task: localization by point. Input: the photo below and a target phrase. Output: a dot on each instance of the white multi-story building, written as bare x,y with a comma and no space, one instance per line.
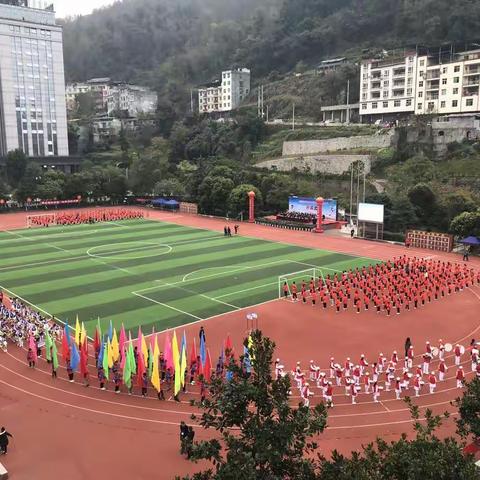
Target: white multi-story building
441,82
448,86
225,95
132,99
387,86
32,81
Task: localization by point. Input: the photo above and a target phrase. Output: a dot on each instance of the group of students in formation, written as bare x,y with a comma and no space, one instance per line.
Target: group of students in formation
385,374
85,216
391,287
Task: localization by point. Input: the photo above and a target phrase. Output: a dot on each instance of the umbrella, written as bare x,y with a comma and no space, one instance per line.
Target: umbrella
470,241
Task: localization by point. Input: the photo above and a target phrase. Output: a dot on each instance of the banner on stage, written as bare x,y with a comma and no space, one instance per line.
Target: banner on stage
309,205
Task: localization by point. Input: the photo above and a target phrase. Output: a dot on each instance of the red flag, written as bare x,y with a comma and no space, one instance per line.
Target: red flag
193,353
140,368
6,301
65,348
208,367
83,359
229,347
96,342
32,345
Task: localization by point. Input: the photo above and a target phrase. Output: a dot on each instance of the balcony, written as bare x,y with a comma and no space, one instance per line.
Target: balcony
376,75
432,96
399,84
375,86
433,74
399,72
470,91
433,85
398,93
472,70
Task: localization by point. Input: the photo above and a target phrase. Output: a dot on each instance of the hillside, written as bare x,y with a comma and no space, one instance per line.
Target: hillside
172,46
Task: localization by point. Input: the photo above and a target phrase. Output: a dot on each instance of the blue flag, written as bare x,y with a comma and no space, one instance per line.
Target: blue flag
110,331
203,351
100,354
183,346
74,356
67,333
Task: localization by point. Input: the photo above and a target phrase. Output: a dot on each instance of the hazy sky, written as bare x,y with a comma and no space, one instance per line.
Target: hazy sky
78,7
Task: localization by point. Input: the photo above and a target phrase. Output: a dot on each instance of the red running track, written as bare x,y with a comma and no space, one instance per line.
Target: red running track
81,432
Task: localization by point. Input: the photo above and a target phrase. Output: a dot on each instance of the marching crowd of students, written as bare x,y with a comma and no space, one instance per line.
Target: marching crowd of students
392,373
85,216
390,287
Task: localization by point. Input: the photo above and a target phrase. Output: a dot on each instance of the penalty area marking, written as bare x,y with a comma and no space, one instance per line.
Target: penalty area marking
142,246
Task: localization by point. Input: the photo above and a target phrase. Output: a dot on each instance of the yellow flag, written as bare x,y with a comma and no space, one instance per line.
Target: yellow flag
155,373
115,347
176,364
109,354
250,349
83,334
183,364
77,332
144,350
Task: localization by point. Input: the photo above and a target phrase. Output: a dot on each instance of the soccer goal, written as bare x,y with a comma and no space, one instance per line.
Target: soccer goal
43,220
302,276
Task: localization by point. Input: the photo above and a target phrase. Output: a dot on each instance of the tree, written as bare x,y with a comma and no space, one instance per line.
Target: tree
465,224
424,457
214,193
275,189
425,203
469,409
274,439
16,164
85,104
171,187
238,199
27,187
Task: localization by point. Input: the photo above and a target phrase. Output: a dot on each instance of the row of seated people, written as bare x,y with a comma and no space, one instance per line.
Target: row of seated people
297,217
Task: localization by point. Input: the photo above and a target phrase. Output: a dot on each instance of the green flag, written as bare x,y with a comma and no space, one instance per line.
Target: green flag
105,361
127,373
54,355
131,358
48,346
150,362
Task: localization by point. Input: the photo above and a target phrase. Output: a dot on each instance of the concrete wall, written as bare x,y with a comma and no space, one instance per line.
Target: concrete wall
332,164
308,147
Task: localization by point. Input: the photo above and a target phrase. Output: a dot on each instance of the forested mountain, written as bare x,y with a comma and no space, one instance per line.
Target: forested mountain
187,41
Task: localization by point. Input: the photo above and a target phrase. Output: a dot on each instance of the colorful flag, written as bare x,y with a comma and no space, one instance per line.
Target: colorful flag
74,357
131,355
54,356
77,331
193,352
208,367
101,353
32,345
109,354
229,347
155,379
48,346
121,342
183,360
65,345
83,361
67,333
176,364
127,371
6,301
97,342
140,369
105,359
203,351
144,350
110,331
83,334
167,351
114,346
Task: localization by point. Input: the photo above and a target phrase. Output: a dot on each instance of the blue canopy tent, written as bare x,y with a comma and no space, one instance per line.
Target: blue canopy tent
471,240
165,204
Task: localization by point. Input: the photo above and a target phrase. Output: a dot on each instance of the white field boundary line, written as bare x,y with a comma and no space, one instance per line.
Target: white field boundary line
168,306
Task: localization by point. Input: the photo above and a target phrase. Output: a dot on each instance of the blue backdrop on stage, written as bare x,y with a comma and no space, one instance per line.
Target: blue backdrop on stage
309,205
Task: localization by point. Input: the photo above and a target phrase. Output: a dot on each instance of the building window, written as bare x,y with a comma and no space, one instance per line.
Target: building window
455,91
469,102
444,91
420,94
397,103
409,102
409,91
454,103
385,104
444,81
456,79
420,84
444,70
364,106
422,63
386,73
443,104
457,68
385,83
374,105
419,106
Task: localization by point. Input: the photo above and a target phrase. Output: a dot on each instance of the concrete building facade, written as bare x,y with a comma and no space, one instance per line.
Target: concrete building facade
432,82
32,82
131,99
225,95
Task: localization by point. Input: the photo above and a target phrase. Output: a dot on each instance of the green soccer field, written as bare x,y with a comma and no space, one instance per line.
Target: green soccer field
149,273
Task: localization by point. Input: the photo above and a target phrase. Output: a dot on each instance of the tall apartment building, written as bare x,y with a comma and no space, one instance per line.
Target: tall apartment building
32,82
428,82
225,95
387,86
